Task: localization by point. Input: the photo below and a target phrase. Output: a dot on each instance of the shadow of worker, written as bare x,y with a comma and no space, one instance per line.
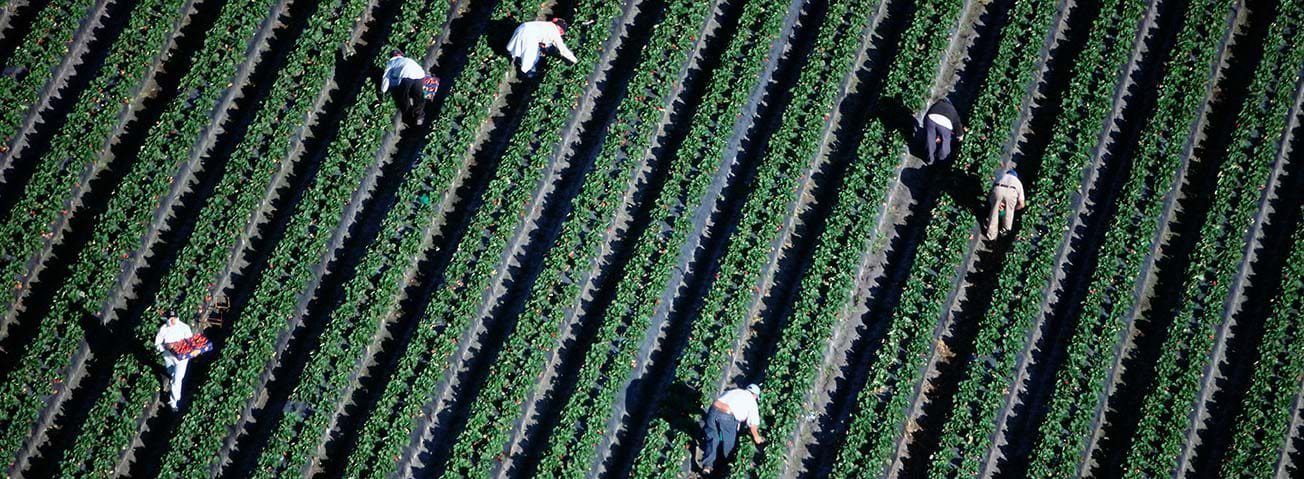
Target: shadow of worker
966,189
498,32
107,344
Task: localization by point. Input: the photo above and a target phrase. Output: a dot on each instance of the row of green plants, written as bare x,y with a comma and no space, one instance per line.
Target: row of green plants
790,160
126,217
52,31
612,358
1265,416
75,148
429,360
823,300
553,295
1238,196
374,296
273,311
1030,265
1081,380
903,353
239,193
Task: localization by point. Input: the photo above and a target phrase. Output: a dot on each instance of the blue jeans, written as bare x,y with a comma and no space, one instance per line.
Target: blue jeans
937,153
720,428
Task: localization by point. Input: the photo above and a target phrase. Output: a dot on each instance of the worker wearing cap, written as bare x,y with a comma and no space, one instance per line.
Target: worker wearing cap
1007,196
735,407
531,37
173,330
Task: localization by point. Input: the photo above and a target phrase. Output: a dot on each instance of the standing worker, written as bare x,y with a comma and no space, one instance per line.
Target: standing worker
405,76
1007,196
939,124
173,330
530,37
733,408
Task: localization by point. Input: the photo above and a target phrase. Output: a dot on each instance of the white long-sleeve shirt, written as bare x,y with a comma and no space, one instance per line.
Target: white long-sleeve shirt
401,67
171,334
530,36
743,407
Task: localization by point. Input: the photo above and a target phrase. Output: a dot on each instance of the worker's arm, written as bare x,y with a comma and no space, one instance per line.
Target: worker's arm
158,340
722,406
756,435
562,50
1020,205
384,81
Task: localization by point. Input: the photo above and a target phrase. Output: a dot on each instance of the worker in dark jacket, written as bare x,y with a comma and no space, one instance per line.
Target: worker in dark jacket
403,78
941,124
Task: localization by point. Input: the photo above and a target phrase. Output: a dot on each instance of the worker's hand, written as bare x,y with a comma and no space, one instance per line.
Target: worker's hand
758,440
1020,206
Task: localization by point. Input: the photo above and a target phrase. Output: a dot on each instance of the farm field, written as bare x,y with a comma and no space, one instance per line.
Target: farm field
554,276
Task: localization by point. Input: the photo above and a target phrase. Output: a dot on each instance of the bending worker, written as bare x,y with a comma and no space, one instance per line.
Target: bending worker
530,37
405,75
733,408
939,124
173,330
1007,196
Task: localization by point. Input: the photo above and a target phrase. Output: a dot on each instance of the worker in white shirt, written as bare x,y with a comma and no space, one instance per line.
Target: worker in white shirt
1007,196
404,75
530,37
735,407
939,124
173,330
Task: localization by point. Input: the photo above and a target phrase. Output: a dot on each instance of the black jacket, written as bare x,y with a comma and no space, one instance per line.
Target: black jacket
945,108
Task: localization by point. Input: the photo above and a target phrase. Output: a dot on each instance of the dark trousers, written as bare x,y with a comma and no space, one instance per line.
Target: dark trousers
937,152
409,98
721,429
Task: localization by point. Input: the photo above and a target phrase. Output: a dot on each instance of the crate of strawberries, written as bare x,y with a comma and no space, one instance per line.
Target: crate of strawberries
190,347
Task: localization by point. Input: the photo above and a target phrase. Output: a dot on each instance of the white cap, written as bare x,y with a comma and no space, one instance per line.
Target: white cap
755,390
